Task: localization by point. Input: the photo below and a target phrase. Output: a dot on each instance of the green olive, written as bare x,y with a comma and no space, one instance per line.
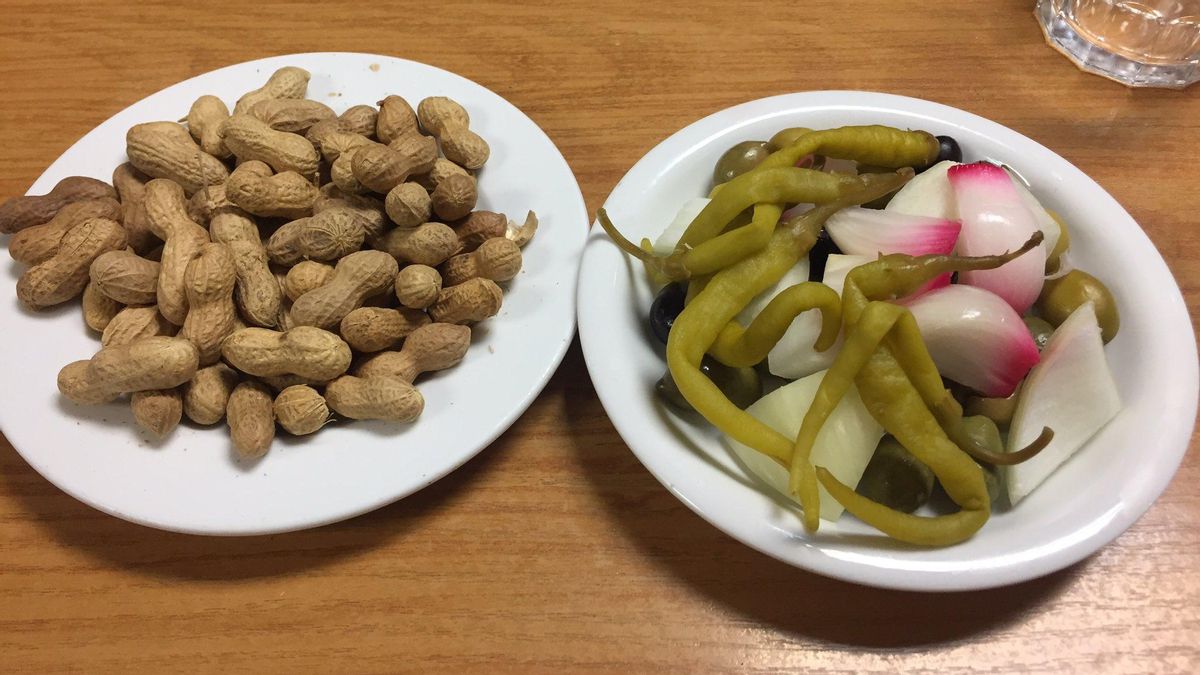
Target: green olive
786,137
983,431
739,159
991,478
895,478
1060,246
1067,293
998,410
742,386
1040,329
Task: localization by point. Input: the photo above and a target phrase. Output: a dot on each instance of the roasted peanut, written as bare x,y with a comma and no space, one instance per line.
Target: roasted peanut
465,148
417,286
126,277
369,210
285,195
436,346
293,115
144,364
382,398
379,168
497,259
204,121
442,168
251,417
356,277
454,197
396,118
166,150
250,138
468,302
309,352
283,245
158,411
305,276
63,276
18,213
98,308
281,382
209,282
207,394
257,293
331,139
438,114
371,329
166,211
421,150
287,82
301,410
408,205
429,244
359,119
330,235
131,188
479,227
205,203
341,171
40,242
134,323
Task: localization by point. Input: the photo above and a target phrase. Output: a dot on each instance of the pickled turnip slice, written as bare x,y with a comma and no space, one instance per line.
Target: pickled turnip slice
996,220
1071,391
975,338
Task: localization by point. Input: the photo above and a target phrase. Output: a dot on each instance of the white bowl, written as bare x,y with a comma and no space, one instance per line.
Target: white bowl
190,483
1088,502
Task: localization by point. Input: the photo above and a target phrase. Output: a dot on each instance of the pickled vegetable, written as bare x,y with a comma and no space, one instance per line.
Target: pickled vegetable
1062,296
896,478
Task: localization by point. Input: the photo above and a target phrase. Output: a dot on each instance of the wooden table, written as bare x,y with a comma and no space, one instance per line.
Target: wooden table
555,550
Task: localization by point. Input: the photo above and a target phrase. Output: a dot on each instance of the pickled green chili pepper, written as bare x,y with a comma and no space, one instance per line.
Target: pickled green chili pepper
705,248
728,292
898,382
740,347
764,189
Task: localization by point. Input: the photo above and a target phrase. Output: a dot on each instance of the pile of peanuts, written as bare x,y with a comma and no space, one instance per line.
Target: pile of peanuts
277,264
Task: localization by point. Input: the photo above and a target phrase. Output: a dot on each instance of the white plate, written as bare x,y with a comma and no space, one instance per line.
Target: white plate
190,483
1087,503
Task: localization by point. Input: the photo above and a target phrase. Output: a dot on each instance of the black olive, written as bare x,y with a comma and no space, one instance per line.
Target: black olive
666,306
948,150
819,255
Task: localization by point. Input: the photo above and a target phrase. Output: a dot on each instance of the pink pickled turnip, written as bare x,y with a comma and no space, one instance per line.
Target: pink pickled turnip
996,220
871,232
975,338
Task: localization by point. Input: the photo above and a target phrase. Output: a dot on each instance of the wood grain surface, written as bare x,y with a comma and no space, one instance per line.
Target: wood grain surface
555,550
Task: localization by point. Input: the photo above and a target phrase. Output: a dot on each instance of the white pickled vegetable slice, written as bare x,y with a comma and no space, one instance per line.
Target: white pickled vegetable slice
1071,391
665,244
844,445
975,338
995,221
927,194
870,232
793,356
1045,222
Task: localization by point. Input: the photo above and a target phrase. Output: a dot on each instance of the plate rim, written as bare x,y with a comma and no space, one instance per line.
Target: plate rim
569,297
896,579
